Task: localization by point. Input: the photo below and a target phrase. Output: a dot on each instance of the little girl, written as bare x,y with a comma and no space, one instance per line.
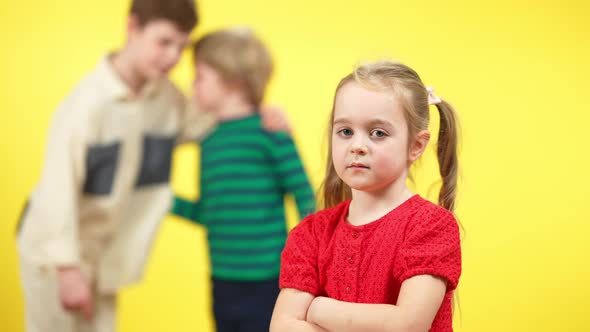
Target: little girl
379,257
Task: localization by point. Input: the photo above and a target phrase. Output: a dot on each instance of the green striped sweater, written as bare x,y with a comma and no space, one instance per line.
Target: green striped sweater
245,173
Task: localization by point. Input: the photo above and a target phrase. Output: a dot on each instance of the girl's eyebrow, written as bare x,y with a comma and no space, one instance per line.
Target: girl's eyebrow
341,121
371,123
380,122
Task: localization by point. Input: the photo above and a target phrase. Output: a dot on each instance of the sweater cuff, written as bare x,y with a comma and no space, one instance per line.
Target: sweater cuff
184,208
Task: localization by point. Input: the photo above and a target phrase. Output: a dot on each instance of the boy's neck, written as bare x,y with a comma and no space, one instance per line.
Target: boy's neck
235,107
124,67
370,206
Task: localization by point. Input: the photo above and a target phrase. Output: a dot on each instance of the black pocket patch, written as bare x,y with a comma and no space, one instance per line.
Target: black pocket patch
156,161
101,164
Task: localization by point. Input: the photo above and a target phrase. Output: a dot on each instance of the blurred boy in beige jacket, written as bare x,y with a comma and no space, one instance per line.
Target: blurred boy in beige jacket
89,224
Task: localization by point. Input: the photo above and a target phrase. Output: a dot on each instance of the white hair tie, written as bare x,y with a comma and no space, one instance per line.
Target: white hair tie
432,98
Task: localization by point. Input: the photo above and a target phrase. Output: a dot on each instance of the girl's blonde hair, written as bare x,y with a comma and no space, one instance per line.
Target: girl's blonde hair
405,84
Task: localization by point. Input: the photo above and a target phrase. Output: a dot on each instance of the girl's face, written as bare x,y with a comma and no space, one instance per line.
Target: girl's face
369,139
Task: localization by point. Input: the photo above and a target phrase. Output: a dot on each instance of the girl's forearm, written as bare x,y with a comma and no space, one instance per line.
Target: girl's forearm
334,315
294,325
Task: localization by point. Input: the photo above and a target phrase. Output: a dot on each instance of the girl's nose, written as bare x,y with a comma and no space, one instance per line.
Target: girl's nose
358,147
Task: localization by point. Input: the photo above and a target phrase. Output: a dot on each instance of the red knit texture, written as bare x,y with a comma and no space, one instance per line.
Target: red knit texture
326,256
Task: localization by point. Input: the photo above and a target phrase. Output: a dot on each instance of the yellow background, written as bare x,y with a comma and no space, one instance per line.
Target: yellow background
517,72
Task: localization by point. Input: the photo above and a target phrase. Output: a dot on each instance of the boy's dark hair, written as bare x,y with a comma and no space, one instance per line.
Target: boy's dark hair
181,12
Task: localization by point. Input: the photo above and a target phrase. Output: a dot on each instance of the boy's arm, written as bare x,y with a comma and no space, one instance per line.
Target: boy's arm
55,209
290,312
195,124
55,205
186,209
291,173
419,299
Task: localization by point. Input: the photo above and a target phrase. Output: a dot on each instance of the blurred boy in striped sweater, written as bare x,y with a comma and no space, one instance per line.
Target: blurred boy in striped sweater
246,171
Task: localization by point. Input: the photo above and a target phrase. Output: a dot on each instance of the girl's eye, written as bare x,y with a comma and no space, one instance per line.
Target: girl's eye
378,133
345,132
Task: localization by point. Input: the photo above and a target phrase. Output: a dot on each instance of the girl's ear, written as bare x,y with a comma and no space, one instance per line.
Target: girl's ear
419,145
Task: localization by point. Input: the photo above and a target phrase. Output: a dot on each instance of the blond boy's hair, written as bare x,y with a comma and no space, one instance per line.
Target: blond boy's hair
238,56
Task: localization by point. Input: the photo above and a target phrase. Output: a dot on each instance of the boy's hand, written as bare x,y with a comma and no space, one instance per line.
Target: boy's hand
74,291
274,119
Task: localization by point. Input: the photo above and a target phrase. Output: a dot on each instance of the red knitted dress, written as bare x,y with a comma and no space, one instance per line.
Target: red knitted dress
326,256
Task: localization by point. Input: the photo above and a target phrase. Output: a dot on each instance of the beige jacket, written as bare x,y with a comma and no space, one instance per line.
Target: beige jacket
104,187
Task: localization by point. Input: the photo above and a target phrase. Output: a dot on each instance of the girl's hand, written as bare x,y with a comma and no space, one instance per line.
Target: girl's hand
315,308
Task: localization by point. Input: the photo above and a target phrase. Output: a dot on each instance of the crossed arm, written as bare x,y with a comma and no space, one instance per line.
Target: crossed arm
418,302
